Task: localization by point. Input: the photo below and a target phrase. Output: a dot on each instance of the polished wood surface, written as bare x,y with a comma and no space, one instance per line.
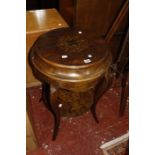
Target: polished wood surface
68,46
70,58
43,20
37,23
70,62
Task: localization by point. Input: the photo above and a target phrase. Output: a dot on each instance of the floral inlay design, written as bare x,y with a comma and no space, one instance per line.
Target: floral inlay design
72,43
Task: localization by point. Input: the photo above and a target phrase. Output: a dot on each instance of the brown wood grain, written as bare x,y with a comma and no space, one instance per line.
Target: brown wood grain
67,8
97,15
43,20
37,23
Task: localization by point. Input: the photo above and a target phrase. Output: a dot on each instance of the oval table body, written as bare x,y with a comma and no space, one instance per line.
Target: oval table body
74,67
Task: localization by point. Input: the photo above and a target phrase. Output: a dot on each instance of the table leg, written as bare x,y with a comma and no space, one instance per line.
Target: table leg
56,123
100,89
97,94
49,96
54,103
93,111
45,95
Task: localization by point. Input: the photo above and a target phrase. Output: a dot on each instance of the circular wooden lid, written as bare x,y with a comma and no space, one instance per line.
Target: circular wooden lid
63,52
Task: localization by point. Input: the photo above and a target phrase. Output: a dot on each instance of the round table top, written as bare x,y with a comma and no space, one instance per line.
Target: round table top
69,46
70,54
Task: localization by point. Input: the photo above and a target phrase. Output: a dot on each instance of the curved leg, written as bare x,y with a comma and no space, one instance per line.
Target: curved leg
53,100
56,123
95,101
101,88
97,94
45,95
50,99
93,111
